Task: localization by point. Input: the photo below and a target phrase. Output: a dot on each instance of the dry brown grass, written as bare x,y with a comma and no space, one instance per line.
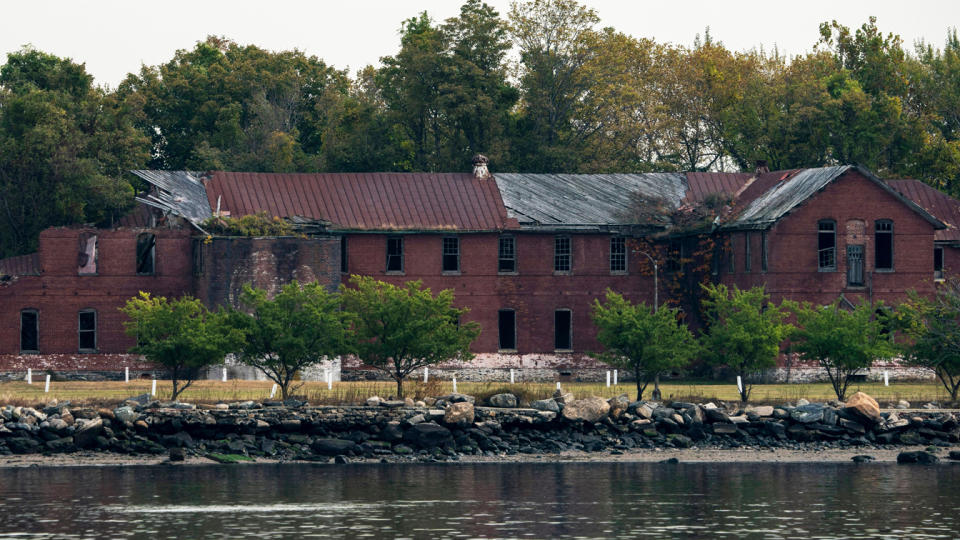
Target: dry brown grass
105,393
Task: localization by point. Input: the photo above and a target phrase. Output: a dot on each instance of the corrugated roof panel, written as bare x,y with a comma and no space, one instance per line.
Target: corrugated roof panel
21,265
938,203
775,202
179,192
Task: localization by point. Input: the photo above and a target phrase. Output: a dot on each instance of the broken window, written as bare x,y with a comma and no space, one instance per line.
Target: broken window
563,329
507,255
618,254
451,254
87,330
87,256
561,254
507,324
883,245
394,254
29,331
675,256
827,245
855,265
763,251
197,245
938,262
747,263
343,255
146,251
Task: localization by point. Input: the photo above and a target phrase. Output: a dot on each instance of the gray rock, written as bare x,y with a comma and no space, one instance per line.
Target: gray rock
416,419
619,405
716,416
460,414
332,447
801,402
591,409
852,426
503,400
402,449
427,435
723,428
393,403
931,406
740,419
762,410
862,458
23,445
903,404
126,414
64,444
373,401
545,405
808,414
830,416
142,399
86,434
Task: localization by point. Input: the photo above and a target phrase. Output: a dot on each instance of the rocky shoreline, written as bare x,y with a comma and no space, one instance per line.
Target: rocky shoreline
454,428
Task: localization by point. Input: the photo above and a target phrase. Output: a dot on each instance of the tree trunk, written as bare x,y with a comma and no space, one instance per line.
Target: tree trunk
636,373
399,388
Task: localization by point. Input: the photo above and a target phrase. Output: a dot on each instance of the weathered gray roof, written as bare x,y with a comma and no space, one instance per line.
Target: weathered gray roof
782,198
579,200
178,192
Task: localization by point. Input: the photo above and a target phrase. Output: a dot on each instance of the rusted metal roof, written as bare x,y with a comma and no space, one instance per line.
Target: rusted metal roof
702,184
938,203
365,201
583,200
178,192
21,265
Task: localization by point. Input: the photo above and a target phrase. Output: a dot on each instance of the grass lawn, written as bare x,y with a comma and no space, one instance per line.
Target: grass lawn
20,393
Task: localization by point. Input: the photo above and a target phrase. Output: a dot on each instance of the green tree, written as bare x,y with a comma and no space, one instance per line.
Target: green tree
65,149
401,329
842,342
932,329
300,326
744,331
640,339
180,335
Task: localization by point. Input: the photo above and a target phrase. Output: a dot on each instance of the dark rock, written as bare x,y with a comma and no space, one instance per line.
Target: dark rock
921,457
393,403
503,400
332,447
862,459
852,426
954,455
177,454
716,415
808,414
392,432
64,444
721,428
142,399
86,434
402,449
23,445
545,405
341,459
670,461
427,435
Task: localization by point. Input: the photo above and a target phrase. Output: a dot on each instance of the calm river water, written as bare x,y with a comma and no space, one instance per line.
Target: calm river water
588,500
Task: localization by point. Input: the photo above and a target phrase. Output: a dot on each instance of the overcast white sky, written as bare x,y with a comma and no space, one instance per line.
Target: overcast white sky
114,37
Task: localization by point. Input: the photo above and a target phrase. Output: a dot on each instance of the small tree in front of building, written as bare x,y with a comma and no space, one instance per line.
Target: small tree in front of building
300,326
744,332
641,339
401,329
843,342
180,335
932,330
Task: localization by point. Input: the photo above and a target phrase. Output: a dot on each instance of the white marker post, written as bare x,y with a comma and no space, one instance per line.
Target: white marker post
153,389
558,385
46,389
329,380
614,377
273,390
511,376
739,384
29,375
126,374
608,378
454,385
886,378
426,374
224,378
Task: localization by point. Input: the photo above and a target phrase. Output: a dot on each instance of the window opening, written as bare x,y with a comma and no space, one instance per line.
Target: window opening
855,265
763,251
344,267
394,254
88,330
563,329
827,246
146,253
747,263
451,254
938,262
87,257
197,245
883,245
561,254
507,323
29,331
618,254
731,256
507,255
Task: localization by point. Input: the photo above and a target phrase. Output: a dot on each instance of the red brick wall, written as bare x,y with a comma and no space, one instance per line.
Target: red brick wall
535,292
59,293
792,242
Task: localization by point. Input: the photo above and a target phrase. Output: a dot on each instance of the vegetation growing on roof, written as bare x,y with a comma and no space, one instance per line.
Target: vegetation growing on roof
259,224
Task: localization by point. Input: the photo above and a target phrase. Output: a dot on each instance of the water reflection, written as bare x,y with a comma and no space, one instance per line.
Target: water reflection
588,500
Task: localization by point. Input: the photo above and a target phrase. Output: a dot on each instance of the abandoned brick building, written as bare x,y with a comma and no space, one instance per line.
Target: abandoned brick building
526,253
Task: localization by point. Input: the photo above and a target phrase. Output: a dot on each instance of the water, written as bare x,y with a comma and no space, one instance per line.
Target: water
516,500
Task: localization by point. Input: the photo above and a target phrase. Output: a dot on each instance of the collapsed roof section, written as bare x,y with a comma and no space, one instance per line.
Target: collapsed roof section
180,193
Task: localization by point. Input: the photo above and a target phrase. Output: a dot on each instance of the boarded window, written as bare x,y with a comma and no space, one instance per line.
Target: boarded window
855,266
507,324
29,331
87,330
343,255
563,329
87,256
618,254
763,251
451,254
827,245
561,254
883,245
747,263
938,262
146,252
394,254
507,254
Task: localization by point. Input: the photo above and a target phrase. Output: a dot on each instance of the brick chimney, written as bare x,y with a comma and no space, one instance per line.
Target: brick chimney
762,167
480,166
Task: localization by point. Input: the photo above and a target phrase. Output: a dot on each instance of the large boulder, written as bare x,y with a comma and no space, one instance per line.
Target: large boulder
865,407
591,409
332,447
549,405
921,457
619,405
502,400
808,414
428,435
87,432
459,414
126,414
